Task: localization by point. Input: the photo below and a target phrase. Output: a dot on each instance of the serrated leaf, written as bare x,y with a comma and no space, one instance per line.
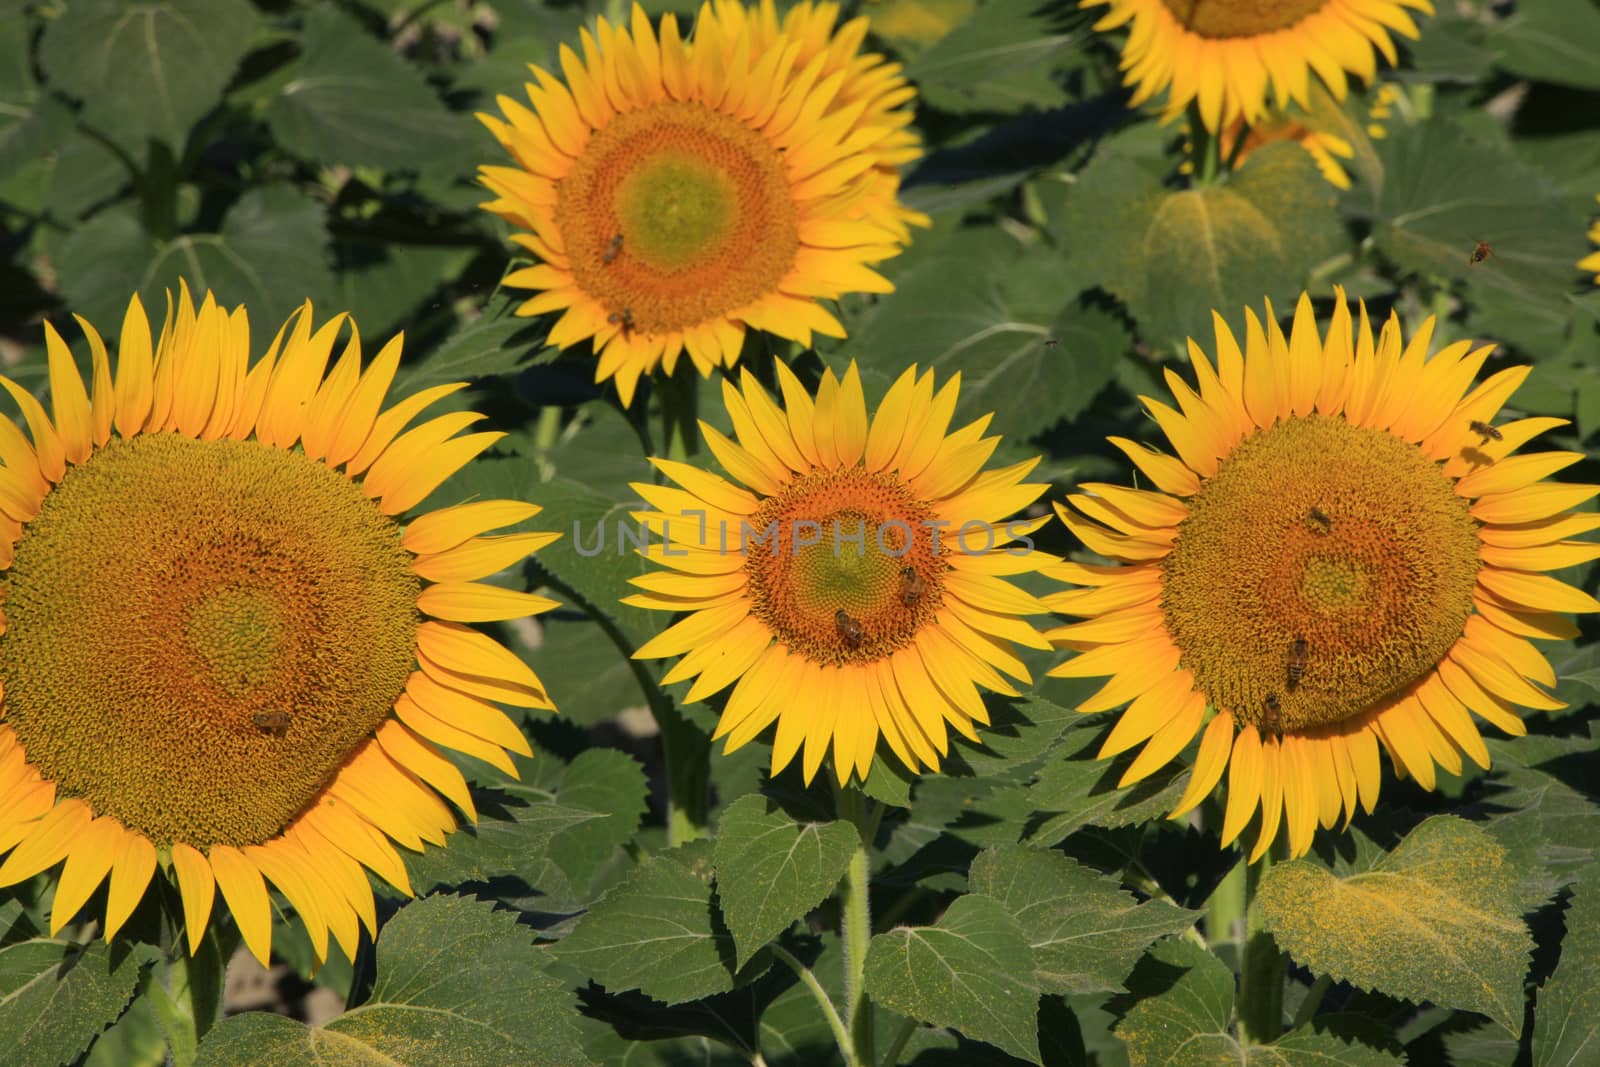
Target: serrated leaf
1548,829
491,345
1438,916
610,784
353,100
270,255
771,870
1566,1016
971,971
658,932
1172,257
1085,931
1184,1019
55,997
984,305
1073,789
1002,58
514,839
147,69
458,983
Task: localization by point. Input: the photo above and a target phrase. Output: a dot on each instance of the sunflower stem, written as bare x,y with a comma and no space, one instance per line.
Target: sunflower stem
841,1036
908,1026
1261,967
680,397
1205,148
185,992
856,914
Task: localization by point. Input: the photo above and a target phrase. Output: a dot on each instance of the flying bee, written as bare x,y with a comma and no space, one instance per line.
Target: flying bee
1297,661
849,629
625,316
1485,431
912,587
1480,252
275,723
1051,343
1319,522
1271,722
613,250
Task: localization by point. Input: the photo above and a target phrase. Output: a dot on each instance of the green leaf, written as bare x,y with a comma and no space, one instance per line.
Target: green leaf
56,997
1172,257
458,983
771,870
1438,916
514,839
150,68
658,932
971,971
1553,41
1549,830
1428,221
269,255
612,785
1566,1018
1074,790
353,100
1002,58
491,345
32,123
982,304
1184,1019
1085,931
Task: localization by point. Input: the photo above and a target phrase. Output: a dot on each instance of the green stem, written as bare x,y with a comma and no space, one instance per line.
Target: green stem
1205,148
1261,968
1225,909
856,910
908,1026
680,396
185,991
840,1035
1313,1001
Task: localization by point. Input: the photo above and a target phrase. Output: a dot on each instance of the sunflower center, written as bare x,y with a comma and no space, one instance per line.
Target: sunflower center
1323,568
1240,18
199,632
843,567
677,214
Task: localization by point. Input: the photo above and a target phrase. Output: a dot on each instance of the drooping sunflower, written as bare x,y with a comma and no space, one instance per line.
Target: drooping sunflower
221,653
1343,555
854,583
1226,54
1592,262
676,193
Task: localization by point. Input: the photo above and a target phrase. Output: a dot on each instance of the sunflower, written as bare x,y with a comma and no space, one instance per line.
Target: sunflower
856,583
1225,53
1344,555
1592,262
677,193
1319,130
214,658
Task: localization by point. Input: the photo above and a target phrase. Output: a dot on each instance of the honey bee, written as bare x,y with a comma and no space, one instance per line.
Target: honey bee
625,316
1487,432
613,250
912,587
849,629
1480,252
1297,661
1051,343
1271,722
275,723
1319,522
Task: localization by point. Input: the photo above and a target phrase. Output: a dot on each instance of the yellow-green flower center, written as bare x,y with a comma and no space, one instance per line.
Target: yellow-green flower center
1240,18
845,569
677,214
200,632
1322,569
